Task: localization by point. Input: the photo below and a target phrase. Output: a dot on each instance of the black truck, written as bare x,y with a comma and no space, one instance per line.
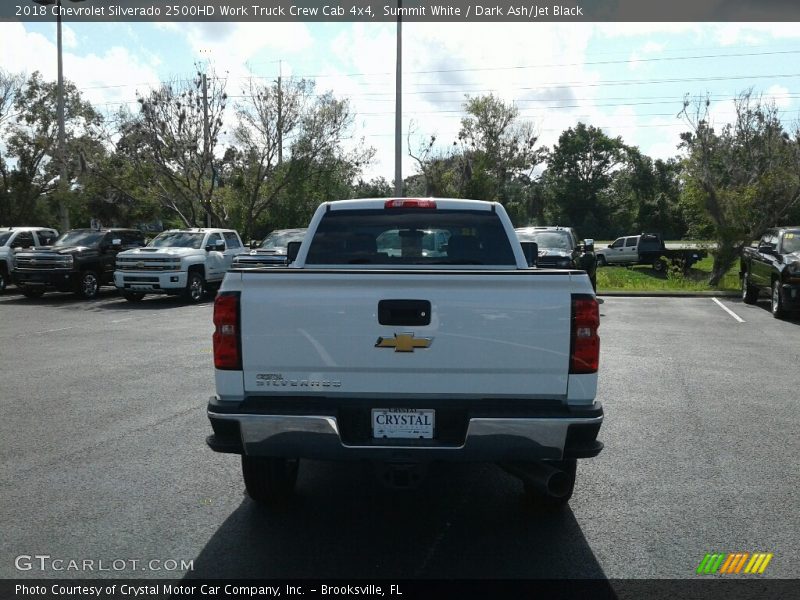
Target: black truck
774,267
80,261
647,249
561,248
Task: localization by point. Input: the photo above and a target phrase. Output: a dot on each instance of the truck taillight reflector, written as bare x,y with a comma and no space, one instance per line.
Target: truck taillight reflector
227,335
584,342
409,203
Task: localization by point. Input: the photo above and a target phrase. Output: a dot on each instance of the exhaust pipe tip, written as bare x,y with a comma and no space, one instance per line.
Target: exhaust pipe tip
542,478
557,484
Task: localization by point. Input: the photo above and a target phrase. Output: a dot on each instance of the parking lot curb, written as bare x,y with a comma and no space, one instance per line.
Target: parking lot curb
671,294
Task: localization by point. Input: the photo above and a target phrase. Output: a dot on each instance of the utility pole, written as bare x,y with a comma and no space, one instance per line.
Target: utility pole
63,211
206,139
398,109
280,114
61,152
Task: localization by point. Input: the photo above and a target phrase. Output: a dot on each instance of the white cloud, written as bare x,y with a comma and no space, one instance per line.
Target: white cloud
779,95
69,39
530,66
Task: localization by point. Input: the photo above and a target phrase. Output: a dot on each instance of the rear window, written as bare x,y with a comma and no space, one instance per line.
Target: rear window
410,237
649,242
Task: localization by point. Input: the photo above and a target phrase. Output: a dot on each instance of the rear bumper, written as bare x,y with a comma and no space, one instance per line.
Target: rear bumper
464,433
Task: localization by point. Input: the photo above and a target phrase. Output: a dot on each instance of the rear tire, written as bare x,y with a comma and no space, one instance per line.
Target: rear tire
554,503
133,296
269,481
3,280
601,261
659,265
749,293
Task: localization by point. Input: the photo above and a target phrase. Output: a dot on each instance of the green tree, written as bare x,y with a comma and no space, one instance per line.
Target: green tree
580,168
290,138
745,177
493,158
32,145
172,147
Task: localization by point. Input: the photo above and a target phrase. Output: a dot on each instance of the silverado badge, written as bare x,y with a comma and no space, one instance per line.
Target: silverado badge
405,342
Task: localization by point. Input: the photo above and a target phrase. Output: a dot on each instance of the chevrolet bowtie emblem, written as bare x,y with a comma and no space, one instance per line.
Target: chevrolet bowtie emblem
405,342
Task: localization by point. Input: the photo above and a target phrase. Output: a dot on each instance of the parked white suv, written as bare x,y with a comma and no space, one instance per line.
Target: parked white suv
177,262
17,238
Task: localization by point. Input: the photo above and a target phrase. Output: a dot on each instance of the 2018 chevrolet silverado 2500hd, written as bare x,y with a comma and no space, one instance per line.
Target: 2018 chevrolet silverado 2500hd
560,248
80,260
177,262
361,351
14,239
272,251
647,249
774,267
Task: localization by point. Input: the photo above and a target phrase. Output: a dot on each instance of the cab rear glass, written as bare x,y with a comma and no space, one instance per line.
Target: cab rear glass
410,237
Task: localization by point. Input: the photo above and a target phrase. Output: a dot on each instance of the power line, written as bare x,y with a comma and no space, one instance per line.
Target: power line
476,69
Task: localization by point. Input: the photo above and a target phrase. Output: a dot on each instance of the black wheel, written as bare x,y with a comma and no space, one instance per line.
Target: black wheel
601,261
133,296
32,293
89,285
659,265
195,287
547,502
269,480
3,280
777,300
749,293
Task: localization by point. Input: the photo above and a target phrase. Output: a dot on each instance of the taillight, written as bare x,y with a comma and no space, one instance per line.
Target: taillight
410,203
584,354
227,336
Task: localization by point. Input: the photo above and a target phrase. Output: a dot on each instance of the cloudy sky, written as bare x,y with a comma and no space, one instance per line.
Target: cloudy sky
629,79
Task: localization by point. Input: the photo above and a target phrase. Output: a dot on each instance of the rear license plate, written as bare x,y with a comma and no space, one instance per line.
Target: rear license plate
408,423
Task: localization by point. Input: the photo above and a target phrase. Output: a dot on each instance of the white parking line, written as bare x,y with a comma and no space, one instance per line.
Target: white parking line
729,311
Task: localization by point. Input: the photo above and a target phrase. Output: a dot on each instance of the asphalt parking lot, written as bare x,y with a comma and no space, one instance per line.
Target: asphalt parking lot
103,458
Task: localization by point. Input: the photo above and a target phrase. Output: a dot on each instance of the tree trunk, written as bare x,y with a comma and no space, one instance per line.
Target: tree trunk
726,254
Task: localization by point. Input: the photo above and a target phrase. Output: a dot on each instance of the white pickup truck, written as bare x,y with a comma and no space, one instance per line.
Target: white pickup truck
20,238
177,262
366,347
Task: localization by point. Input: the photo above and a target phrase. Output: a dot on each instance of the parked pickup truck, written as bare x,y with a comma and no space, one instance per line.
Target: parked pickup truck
80,260
561,248
647,249
14,239
177,262
358,350
271,251
773,267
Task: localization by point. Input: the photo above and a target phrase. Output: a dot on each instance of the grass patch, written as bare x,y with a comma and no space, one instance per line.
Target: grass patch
642,278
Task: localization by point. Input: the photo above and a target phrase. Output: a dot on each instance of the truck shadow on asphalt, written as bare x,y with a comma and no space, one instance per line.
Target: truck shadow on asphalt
464,521
155,302
764,304
59,299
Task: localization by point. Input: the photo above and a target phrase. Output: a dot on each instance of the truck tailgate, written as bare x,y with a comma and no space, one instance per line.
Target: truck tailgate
491,333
